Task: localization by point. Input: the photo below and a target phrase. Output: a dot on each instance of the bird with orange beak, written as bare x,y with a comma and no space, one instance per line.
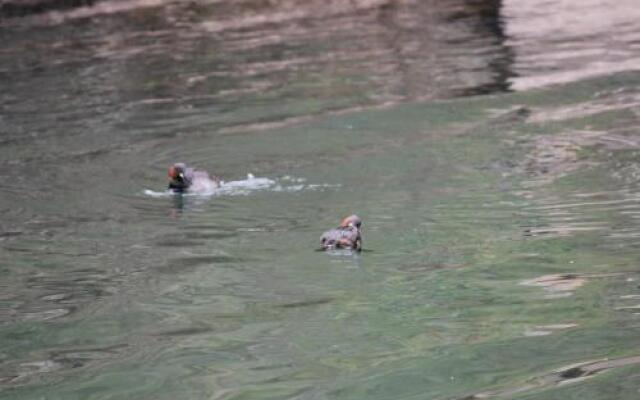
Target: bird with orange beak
183,179
345,236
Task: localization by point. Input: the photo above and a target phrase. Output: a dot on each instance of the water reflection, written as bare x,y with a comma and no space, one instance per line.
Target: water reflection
177,206
564,41
273,62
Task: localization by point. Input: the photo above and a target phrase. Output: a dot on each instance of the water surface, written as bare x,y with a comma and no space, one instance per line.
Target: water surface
502,228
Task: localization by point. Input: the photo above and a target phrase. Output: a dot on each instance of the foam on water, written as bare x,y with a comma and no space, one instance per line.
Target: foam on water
244,187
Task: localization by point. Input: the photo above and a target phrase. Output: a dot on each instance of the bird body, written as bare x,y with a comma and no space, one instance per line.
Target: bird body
345,236
186,179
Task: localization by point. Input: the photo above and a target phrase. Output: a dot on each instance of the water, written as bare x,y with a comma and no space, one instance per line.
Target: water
501,230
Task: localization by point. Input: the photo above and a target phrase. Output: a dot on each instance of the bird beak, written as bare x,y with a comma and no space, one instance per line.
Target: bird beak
181,175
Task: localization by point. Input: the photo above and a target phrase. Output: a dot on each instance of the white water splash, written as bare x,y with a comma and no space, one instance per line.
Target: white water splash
244,187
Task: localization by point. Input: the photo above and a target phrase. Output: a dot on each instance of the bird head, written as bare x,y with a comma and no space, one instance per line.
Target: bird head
351,221
177,180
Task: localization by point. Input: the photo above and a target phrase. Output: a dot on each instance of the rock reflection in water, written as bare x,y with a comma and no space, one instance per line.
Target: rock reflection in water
279,60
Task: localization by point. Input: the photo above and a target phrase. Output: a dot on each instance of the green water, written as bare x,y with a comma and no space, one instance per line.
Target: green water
463,210
501,231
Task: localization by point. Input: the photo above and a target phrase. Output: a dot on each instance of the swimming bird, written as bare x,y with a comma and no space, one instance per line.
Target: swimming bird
346,236
183,179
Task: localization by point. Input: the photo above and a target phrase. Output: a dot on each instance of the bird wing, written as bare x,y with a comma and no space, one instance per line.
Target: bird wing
348,237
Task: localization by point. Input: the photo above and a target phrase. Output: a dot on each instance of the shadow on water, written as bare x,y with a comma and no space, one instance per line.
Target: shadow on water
12,9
